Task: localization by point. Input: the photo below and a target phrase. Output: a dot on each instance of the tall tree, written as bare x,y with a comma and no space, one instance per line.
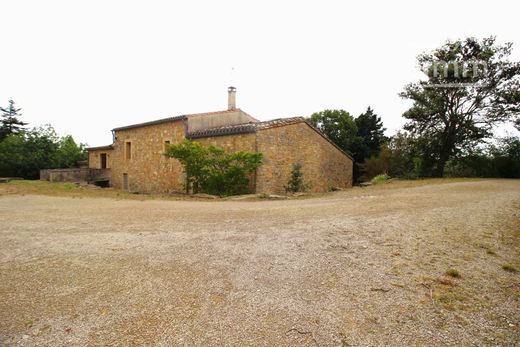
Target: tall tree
457,107
339,126
361,137
370,129
9,122
26,153
69,152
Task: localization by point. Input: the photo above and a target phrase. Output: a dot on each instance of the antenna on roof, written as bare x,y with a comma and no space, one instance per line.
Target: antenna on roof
231,76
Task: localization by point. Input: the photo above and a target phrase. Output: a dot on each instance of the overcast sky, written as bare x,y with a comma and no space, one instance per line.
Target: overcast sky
89,66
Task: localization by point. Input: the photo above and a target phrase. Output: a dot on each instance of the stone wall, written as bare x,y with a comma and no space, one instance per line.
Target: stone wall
75,175
323,165
147,168
149,171
232,143
94,158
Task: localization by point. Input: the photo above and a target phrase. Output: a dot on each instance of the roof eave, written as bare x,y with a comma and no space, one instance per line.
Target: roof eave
154,122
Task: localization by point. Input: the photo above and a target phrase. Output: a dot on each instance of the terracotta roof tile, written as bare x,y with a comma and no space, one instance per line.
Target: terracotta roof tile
243,128
254,127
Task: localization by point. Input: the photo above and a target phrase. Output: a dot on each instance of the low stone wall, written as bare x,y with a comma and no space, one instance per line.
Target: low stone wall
75,175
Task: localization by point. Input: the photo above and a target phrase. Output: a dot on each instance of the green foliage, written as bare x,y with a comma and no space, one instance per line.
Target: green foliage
213,171
25,153
509,268
370,132
361,137
339,126
399,158
407,156
500,160
69,152
9,122
380,178
461,113
296,183
453,273
192,156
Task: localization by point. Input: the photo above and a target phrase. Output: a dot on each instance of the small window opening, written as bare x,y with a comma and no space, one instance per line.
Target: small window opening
128,150
103,159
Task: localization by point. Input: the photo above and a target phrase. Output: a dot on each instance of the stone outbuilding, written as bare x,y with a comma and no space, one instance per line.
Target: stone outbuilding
136,160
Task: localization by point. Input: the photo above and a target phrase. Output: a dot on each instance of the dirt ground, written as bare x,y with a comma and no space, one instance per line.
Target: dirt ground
362,267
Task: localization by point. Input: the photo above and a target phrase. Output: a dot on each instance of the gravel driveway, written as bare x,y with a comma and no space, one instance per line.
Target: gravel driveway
362,267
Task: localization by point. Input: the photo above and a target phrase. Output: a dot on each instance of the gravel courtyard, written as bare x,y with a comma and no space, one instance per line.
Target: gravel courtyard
362,267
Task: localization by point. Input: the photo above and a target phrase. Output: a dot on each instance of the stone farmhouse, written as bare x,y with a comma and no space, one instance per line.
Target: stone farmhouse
135,161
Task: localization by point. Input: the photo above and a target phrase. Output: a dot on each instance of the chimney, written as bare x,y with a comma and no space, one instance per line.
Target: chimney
232,103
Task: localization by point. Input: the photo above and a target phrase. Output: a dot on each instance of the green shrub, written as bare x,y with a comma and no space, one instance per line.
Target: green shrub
453,273
380,178
211,170
296,183
509,268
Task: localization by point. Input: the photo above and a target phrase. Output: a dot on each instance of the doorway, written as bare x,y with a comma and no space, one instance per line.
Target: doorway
103,157
125,181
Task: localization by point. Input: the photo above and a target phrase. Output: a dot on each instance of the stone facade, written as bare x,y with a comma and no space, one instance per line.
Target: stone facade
137,162
94,157
323,165
139,155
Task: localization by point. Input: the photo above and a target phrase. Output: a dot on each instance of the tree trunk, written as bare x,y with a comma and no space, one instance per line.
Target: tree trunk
441,164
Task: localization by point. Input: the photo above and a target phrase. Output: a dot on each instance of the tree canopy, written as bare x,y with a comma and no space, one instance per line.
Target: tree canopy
25,153
339,126
9,122
361,137
456,108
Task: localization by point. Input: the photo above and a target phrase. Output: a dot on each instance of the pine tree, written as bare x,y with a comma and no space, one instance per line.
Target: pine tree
9,123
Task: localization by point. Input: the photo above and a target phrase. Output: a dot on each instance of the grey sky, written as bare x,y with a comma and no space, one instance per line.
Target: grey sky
89,66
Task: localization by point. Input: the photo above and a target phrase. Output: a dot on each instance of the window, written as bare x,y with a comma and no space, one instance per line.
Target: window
166,145
128,150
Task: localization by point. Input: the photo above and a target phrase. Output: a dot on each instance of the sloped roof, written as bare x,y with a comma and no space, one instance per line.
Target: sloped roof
243,128
254,127
153,122
177,118
107,147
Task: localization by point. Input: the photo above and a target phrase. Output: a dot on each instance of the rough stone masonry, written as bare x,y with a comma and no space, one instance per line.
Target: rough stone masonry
137,163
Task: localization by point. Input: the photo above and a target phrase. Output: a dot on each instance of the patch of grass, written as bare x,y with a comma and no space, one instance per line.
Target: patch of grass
509,268
29,323
489,249
453,273
37,187
380,179
445,298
